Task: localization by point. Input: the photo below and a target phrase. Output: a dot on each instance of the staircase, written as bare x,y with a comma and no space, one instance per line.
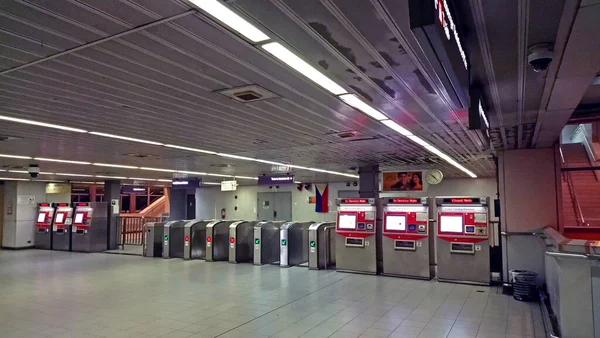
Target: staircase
158,208
583,184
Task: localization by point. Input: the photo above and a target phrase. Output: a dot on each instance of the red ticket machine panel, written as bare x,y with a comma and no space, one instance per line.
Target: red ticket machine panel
356,217
82,218
44,216
62,217
406,218
463,219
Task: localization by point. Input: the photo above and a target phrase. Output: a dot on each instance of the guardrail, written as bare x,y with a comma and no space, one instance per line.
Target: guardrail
132,229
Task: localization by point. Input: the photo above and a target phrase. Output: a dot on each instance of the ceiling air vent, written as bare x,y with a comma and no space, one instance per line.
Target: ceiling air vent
247,94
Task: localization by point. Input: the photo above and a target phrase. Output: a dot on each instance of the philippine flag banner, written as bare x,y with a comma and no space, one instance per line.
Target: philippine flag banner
322,204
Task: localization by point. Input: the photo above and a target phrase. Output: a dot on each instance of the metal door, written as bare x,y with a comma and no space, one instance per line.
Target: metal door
265,207
274,206
191,207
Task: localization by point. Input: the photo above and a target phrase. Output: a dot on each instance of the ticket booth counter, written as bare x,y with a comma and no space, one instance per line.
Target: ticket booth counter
463,246
356,235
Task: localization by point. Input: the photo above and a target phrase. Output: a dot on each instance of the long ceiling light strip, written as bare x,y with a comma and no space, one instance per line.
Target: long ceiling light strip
60,161
397,128
111,177
13,179
41,124
231,19
355,102
16,156
115,165
191,149
126,138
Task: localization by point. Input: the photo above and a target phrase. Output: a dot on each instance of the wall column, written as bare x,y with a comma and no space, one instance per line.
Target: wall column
178,200
368,181
112,194
20,211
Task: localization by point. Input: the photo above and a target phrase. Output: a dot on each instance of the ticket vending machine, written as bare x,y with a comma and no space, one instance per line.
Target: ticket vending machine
89,231
356,235
406,241
43,224
61,227
463,247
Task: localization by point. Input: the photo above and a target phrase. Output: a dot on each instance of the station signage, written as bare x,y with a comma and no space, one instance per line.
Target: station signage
129,189
276,179
185,183
435,28
404,201
355,201
478,120
462,201
228,185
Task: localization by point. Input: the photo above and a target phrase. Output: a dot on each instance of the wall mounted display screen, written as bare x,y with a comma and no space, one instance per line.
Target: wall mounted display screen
395,222
347,221
60,218
451,224
402,181
78,218
41,217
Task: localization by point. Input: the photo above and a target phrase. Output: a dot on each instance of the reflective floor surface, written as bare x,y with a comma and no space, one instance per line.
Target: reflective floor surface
61,294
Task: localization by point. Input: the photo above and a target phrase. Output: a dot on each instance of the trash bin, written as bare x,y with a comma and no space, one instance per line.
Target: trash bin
524,285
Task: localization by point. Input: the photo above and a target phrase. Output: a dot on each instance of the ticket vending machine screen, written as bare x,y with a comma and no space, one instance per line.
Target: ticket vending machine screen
347,221
79,218
395,222
41,217
451,224
60,217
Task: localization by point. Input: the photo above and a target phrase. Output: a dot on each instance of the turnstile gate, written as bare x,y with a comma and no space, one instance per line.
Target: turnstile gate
217,241
173,243
293,237
153,239
266,242
241,241
321,238
195,239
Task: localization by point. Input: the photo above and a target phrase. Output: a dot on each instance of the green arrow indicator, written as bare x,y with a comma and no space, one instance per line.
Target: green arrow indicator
283,242
313,244
257,241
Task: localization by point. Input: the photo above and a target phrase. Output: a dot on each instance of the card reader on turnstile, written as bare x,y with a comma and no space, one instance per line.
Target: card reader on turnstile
356,235
61,226
463,247
43,236
406,239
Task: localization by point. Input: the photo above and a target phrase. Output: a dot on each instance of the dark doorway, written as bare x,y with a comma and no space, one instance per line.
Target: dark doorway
190,212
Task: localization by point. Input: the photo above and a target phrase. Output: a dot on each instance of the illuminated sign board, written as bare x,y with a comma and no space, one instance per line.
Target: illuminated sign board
276,179
478,120
355,201
462,201
438,33
185,183
404,201
128,189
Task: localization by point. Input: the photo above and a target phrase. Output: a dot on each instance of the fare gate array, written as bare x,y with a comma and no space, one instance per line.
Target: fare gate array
392,236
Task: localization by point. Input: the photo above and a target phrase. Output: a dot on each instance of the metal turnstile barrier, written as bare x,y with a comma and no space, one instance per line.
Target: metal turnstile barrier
293,237
195,239
43,236
321,242
89,231
153,240
241,241
217,241
266,242
173,241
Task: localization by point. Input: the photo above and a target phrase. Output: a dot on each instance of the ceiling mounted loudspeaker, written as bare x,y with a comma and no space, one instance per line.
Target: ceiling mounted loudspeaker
299,187
247,94
307,186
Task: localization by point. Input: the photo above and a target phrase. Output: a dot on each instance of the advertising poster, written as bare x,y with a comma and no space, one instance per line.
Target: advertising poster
402,181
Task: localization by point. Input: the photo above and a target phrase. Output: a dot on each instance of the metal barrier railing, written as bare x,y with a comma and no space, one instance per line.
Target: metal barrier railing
132,229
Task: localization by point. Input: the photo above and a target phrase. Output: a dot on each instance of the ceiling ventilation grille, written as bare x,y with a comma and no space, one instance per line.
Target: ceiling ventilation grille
247,94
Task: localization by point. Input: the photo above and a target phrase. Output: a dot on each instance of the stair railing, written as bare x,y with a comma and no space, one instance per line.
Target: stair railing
575,200
581,135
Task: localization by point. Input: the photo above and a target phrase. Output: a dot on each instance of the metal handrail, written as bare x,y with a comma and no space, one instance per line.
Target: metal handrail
572,190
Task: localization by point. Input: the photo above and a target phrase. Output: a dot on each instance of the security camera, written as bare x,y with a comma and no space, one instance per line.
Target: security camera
33,170
540,56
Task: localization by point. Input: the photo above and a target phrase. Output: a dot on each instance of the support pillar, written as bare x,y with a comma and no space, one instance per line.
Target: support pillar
178,200
368,181
112,196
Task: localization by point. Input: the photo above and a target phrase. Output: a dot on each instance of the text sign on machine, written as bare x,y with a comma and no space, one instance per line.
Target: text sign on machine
276,179
228,185
184,183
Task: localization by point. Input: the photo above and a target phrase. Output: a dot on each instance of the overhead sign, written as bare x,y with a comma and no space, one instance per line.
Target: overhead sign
228,185
58,188
478,119
130,189
436,30
276,179
185,183
462,201
404,201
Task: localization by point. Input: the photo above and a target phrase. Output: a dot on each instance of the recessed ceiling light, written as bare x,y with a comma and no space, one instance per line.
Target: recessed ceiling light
60,161
126,138
355,102
77,175
112,177
191,149
159,169
115,165
396,127
231,19
16,156
13,179
41,124
302,67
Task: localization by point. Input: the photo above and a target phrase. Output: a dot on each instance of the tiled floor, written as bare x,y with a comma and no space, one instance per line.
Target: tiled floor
59,294
136,250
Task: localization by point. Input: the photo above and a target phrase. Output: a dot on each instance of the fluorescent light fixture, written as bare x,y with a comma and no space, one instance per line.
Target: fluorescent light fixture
60,161
87,182
191,149
112,177
418,141
355,102
244,158
2,170
396,127
115,165
164,180
126,138
210,183
77,175
159,169
297,182
142,179
13,179
450,160
218,175
302,67
45,173
324,171
246,178
41,124
19,171
231,19
190,172
16,156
